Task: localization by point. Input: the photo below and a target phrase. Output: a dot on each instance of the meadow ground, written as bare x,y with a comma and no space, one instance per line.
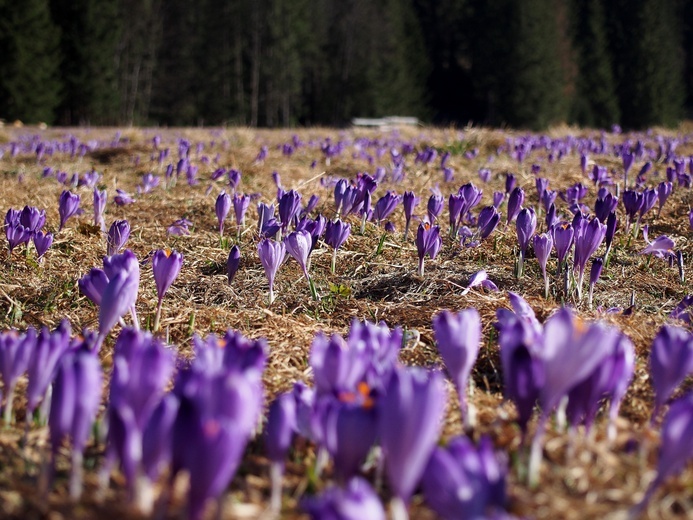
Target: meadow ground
595,481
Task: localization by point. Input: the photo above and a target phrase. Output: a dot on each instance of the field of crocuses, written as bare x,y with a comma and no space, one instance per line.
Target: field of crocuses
354,324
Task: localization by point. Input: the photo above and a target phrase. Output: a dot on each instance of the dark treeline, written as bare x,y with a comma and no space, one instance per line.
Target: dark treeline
523,63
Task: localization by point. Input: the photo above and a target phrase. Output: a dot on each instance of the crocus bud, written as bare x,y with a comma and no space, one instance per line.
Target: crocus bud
271,255
525,226
42,243
410,418
68,206
487,221
664,189
671,360
509,182
515,201
15,353
232,263
409,202
76,398
386,205
166,265
222,208
435,207
428,242
298,245
458,337
289,206
118,234
542,249
240,206
100,198
279,433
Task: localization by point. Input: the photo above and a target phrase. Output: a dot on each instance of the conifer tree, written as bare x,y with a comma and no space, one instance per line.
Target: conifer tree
29,58
595,103
90,31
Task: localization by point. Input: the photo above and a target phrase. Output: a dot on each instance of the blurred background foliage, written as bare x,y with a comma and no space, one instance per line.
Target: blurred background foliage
521,63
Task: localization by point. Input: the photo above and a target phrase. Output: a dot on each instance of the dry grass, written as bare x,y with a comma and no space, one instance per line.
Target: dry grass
596,482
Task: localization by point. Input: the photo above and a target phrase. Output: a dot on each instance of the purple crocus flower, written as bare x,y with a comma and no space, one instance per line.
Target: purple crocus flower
166,266
142,367
337,366
410,418
458,337
611,226
519,338
93,284
671,360
265,213
16,234
661,247
76,398
525,226
541,185
498,198
627,158
68,206
509,182
480,278
595,273
487,221
632,202
279,434
100,198
32,219
515,202
50,346
462,482
456,204
340,190
664,189
122,198
428,242
232,263
310,206
548,198
570,353
357,501
222,208
118,234
289,206
434,207
15,353
120,294
336,233
385,206
271,255
42,243
179,227
610,380
605,204
298,245
157,439
240,207
649,199
542,249
588,238
349,429
409,202
676,446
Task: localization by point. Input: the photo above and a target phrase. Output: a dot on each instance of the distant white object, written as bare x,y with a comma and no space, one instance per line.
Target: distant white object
385,121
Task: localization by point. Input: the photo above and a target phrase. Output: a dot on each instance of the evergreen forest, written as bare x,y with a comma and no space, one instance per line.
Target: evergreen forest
273,63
